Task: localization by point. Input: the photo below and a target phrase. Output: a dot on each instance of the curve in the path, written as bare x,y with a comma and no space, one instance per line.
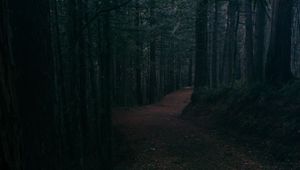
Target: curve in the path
160,140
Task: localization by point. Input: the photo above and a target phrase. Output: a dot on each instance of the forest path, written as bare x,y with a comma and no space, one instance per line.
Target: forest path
160,140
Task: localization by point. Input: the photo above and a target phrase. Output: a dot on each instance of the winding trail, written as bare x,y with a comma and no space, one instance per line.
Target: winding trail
159,140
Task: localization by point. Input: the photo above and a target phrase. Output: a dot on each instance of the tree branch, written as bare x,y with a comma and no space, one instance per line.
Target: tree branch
99,12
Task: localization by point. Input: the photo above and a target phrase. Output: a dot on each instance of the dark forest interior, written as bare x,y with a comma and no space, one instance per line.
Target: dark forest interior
149,84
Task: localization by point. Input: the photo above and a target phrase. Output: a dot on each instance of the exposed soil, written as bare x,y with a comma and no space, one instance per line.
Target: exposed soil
158,139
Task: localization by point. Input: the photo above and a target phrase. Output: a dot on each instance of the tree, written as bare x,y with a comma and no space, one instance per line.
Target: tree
106,116
138,72
230,43
201,67
249,42
278,66
152,48
35,83
260,18
215,44
10,139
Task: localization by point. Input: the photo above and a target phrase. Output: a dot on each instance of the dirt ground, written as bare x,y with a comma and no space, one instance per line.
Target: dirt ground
158,139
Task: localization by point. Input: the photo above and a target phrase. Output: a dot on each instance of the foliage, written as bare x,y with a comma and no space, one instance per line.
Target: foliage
257,113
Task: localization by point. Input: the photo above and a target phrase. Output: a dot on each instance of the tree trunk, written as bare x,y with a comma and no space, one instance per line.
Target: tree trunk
72,118
153,78
249,42
201,67
230,40
106,117
10,139
35,90
278,66
260,41
138,72
215,45
83,103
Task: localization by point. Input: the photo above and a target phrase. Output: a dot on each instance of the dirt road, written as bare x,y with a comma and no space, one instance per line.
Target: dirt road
159,140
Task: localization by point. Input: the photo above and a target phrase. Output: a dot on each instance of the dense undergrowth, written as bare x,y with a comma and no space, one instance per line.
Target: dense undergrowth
261,116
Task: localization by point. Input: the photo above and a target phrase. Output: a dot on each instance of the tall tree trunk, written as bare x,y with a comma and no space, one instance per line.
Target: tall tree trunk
215,44
260,19
106,117
278,66
229,46
59,85
138,72
72,118
249,42
190,71
83,103
201,67
153,79
35,91
236,58
10,139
